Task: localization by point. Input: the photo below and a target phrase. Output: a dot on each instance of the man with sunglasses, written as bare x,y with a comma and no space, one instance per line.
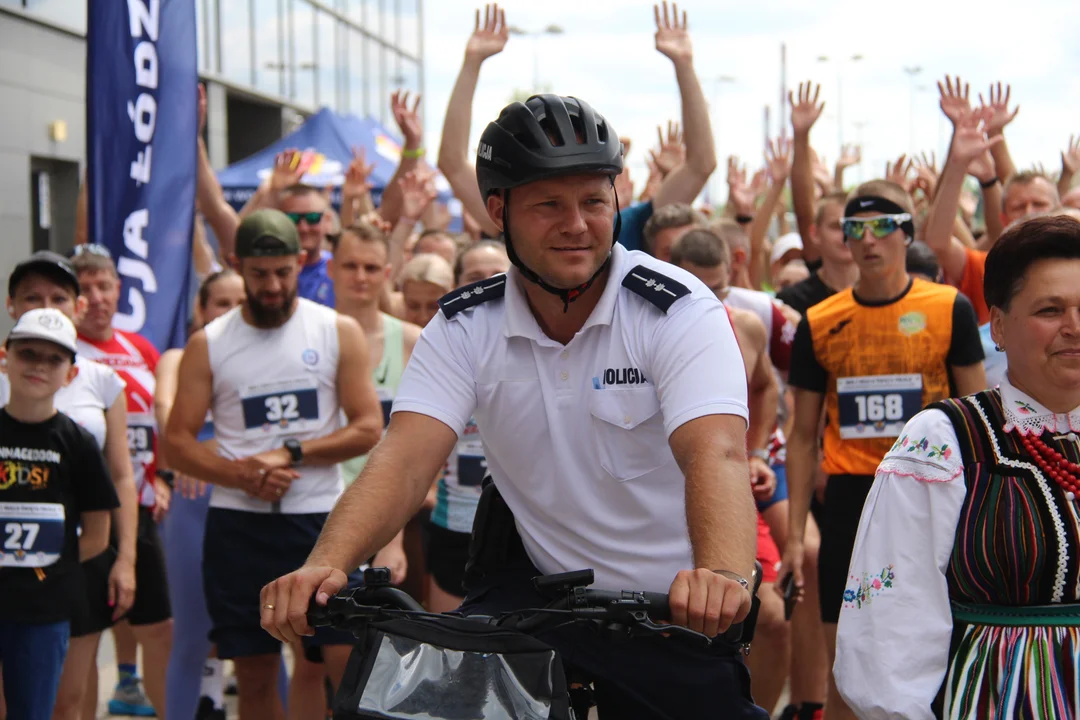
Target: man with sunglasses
872,357
309,209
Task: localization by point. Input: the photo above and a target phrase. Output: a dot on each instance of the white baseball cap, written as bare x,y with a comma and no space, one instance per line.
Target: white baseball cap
785,244
46,324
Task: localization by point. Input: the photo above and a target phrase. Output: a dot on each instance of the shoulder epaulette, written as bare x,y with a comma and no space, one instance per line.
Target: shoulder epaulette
472,295
657,288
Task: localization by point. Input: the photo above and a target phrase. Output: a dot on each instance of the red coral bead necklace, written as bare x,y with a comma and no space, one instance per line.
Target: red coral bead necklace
1053,464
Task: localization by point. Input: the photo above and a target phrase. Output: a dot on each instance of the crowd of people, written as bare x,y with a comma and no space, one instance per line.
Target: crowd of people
889,372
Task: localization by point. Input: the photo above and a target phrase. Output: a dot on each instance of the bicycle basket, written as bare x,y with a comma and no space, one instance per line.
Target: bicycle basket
446,668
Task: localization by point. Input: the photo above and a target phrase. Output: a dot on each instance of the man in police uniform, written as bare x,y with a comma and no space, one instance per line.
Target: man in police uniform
610,395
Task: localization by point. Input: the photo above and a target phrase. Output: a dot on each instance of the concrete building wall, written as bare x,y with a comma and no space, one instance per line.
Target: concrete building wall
42,81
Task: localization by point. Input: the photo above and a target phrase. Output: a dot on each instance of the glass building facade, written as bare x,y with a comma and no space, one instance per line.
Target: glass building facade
306,54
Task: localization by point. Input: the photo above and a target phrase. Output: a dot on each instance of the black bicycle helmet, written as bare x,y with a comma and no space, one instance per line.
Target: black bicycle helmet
546,136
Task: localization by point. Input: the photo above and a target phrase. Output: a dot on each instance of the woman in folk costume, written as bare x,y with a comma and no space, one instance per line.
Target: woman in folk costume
963,596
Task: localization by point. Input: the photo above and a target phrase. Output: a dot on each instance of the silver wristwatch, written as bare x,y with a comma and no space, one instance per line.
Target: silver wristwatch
734,576
760,454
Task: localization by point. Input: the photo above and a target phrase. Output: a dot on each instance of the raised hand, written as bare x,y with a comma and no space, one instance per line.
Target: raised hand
999,108
970,139
417,193
954,98
490,38
672,37
849,155
672,150
740,194
778,160
926,174
759,184
900,173
983,167
805,109
1070,156
408,119
820,170
356,177
289,167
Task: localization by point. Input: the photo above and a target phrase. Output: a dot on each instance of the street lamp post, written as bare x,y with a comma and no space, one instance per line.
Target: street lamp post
912,71
535,35
841,64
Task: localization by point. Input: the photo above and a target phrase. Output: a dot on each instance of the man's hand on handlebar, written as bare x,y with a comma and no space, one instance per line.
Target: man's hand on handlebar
707,602
284,602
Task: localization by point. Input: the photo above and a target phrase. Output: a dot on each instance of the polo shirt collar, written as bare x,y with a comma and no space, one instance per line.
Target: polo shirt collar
520,321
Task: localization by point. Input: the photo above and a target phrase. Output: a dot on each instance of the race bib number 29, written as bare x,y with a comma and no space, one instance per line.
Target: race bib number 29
31,534
877,406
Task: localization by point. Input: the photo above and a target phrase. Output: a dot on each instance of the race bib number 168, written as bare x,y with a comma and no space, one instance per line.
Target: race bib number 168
877,406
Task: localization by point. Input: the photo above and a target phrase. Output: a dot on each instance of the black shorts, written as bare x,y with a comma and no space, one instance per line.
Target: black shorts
151,586
242,552
845,496
447,553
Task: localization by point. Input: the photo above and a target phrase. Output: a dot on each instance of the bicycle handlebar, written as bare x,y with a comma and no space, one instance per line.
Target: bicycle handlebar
353,602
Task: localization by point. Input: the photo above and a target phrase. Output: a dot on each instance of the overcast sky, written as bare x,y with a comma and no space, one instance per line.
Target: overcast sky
607,57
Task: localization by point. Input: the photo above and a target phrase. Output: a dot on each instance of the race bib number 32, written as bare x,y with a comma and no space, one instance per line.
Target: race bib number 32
280,407
31,534
877,406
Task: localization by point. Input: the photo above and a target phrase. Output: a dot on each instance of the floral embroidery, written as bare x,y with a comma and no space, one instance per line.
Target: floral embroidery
862,591
919,446
1024,407
942,452
900,442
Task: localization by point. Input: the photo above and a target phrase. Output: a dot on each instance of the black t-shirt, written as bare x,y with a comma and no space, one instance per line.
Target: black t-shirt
805,294
50,473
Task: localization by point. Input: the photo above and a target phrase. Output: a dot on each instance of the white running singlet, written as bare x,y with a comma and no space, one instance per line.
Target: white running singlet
270,385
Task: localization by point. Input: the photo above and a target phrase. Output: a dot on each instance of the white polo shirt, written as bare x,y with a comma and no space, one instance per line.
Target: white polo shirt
576,436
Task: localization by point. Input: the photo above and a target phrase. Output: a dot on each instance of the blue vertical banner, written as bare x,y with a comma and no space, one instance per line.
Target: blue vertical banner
142,119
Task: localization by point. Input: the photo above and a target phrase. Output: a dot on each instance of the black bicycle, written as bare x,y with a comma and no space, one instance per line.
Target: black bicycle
411,664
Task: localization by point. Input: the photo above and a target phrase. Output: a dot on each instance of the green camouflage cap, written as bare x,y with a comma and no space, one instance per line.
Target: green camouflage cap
267,233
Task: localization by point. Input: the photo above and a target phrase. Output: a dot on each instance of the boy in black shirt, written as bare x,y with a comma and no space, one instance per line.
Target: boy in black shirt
52,481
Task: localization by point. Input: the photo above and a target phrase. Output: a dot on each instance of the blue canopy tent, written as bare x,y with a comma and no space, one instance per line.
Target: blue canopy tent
330,137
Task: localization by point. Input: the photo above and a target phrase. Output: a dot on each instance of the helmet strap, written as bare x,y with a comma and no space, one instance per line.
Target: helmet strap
566,295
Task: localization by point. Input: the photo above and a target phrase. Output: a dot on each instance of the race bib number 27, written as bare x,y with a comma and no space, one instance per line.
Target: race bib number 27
31,534
877,406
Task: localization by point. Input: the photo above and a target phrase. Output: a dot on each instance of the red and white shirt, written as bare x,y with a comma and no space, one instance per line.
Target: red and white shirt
135,360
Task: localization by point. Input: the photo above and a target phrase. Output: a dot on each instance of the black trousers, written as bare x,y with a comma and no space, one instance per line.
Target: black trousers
644,678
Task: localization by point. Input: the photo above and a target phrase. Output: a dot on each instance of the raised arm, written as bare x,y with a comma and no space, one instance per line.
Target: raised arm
778,165
686,181
356,190
968,143
412,129
849,155
805,110
995,127
487,39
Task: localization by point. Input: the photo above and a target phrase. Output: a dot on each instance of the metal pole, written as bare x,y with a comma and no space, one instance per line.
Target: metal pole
782,107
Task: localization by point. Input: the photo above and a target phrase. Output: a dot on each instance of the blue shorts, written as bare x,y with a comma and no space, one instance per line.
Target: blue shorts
242,552
32,657
781,489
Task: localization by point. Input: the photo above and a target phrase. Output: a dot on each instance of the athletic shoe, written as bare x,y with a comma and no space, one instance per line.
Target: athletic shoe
129,699
207,711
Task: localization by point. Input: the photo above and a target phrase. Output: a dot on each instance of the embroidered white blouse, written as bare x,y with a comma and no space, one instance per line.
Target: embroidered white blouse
892,644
